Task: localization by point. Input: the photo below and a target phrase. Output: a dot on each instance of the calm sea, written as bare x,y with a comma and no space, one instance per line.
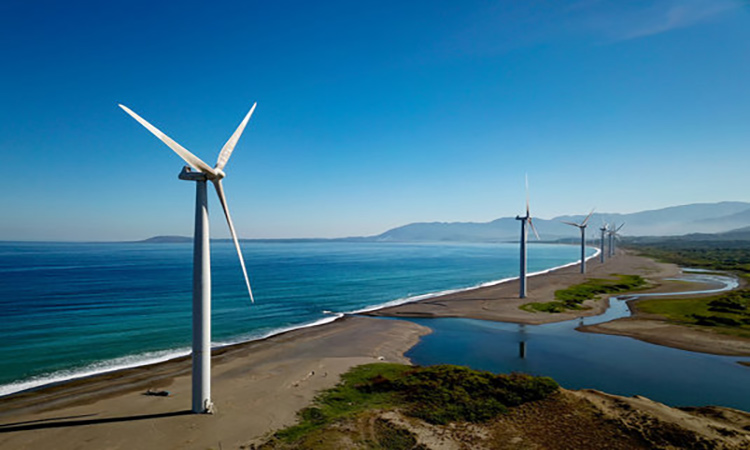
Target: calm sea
73,309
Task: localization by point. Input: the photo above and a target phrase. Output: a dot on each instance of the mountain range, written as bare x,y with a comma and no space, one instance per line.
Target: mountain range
707,218
697,221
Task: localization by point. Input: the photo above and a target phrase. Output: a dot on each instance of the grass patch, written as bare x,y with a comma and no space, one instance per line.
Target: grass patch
436,394
718,256
573,297
726,313
346,399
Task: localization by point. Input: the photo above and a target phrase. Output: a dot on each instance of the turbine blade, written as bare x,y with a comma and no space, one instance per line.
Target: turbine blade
527,195
533,228
570,223
620,227
228,148
223,200
189,158
587,218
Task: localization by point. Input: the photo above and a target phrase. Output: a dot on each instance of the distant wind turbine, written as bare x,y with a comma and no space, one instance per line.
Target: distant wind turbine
201,252
524,235
613,236
582,227
604,230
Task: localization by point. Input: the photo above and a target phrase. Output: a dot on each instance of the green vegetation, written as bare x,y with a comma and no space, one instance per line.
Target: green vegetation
573,297
721,256
436,394
390,436
727,313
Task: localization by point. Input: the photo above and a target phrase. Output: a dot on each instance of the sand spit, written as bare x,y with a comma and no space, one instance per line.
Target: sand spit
501,302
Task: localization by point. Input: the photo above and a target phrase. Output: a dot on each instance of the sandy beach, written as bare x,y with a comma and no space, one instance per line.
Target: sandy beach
259,386
501,302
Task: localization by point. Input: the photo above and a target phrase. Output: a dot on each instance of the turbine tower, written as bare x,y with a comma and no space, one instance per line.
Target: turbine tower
613,236
582,227
604,230
201,252
524,235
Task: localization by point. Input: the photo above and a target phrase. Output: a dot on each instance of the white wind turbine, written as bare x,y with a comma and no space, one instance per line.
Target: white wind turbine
604,230
613,236
201,252
524,236
582,227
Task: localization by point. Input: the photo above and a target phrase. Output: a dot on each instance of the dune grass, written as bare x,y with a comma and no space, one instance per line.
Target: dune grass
726,313
436,394
572,298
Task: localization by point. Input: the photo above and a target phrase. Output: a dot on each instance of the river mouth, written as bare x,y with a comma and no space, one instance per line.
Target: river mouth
614,364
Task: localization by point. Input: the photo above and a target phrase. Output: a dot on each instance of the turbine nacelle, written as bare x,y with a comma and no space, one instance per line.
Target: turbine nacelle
527,217
581,225
189,174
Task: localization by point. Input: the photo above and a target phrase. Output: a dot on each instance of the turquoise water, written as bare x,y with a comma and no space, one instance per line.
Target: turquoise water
71,309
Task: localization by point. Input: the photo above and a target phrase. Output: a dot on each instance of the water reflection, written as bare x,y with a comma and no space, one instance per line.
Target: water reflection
615,364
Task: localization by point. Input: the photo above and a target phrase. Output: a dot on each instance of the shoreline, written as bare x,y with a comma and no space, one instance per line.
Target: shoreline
424,306
259,385
146,360
500,302
162,372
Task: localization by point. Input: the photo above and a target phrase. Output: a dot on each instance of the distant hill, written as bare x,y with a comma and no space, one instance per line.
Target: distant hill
732,238
698,221
676,220
166,240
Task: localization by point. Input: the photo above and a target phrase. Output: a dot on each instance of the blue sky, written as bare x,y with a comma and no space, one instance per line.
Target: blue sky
370,114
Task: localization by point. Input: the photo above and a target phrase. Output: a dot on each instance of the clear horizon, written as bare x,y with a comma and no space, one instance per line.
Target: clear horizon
370,116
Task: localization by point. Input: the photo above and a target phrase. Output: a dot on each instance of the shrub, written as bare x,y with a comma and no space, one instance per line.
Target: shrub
436,394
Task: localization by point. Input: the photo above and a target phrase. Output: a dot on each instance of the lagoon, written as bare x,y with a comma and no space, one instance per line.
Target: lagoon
613,364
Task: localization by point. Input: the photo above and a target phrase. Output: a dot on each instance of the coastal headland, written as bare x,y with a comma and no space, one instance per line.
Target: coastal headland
259,386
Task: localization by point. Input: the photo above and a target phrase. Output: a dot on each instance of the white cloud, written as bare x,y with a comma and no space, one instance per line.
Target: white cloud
665,16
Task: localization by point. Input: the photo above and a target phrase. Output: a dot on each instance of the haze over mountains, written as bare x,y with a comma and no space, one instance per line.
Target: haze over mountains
677,220
722,221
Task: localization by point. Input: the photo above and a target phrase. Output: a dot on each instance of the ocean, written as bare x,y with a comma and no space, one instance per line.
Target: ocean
75,309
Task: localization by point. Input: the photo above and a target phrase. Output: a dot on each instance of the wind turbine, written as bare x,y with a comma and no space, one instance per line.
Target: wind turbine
201,252
582,227
524,235
604,230
613,236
